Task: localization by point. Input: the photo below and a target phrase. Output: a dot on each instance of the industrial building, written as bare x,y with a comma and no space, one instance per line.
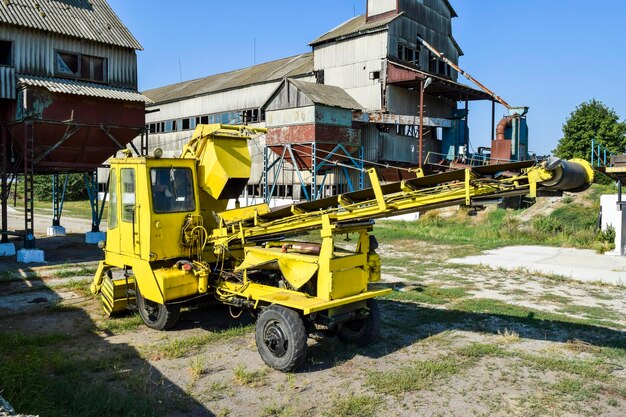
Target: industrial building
68,98
320,145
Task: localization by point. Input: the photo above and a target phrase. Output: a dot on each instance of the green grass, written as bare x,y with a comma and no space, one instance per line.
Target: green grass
73,271
593,312
576,389
429,295
488,306
120,324
248,378
592,369
354,406
415,376
178,348
572,225
38,376
478,350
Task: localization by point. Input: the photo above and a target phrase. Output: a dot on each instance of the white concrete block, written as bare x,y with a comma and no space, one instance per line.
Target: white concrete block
56,231
611,216
29,256
93,238
7,249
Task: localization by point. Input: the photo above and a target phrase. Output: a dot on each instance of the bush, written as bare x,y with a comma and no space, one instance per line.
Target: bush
548,224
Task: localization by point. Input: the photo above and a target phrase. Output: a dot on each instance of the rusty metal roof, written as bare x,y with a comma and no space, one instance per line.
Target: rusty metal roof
327,95
86,19
294,66
355,26
80,88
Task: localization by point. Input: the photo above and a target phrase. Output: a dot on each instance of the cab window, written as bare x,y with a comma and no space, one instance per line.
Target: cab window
112,218
128,194
172,190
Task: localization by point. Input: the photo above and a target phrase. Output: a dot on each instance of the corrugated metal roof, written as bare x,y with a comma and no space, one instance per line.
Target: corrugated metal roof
356,25
327,95
80,88
294,66
85,19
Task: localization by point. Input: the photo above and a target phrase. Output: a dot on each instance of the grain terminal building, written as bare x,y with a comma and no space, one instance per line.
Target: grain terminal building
351,103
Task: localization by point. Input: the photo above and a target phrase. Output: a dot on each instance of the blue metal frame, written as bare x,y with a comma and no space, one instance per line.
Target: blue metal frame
57,203
97,207
316,189
599,154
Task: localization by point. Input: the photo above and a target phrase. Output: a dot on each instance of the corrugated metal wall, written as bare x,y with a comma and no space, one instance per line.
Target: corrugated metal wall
7,83
34,53
348,64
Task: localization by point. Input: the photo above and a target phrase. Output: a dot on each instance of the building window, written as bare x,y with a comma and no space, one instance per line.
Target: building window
85,67
186,124
93,68
6,53
68,64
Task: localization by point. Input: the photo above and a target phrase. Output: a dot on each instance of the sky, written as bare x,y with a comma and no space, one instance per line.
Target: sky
548,55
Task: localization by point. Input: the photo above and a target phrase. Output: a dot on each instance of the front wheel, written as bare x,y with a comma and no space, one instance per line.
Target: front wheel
281,338
157,316
362,331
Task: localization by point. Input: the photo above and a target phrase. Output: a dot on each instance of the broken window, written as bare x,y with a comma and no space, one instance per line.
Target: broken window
186,124
86,67
205,120
6,53
400,52
68,64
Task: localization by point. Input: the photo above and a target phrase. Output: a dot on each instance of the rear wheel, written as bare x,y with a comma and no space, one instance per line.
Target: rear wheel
281,338
157,316
362,331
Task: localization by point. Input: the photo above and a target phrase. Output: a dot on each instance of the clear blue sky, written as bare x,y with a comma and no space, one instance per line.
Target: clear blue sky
548,55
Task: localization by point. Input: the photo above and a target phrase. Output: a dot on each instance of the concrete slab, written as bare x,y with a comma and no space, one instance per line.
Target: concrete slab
56,231
577,264
7,249
30,256
94,237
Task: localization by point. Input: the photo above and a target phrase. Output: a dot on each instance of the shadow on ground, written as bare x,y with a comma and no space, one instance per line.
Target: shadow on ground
55,362
405,323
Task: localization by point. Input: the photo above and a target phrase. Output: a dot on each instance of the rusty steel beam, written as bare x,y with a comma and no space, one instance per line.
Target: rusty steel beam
463,73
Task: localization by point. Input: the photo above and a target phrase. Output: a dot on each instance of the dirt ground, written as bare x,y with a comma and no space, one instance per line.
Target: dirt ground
455,341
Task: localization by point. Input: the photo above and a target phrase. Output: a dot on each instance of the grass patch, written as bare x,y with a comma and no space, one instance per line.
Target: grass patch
354,405
555,298
489,306
592,312
413,377
178,348
429,295
120,324
478,350
251,379
576,389
79,271
588,369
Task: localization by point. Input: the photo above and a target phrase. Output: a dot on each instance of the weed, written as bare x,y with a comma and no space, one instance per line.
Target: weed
272,409
508,336
354,405
197,368
576,389
250,378
588,369
613,402
430,294
218,391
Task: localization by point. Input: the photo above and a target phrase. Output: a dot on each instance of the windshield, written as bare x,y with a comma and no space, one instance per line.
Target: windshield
172,190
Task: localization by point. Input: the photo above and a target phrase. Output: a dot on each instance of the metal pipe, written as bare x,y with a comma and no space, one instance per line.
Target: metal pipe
463,73
5,192
421,134
501,129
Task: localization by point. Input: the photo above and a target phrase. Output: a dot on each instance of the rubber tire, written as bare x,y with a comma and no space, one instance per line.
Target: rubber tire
362,332
289,323
166,316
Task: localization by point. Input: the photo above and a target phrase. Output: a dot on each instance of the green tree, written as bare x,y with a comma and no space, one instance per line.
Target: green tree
591,120
76,189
